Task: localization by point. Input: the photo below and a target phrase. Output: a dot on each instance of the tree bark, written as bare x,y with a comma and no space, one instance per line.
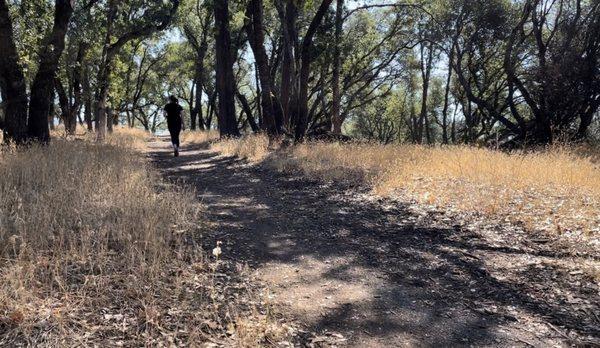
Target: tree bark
447,98
271,109
110,119
51,116
305,57
336,120
63,102
426,64
87,100
43,82
104,75
76,77
288,67
193,115
224,71
12,82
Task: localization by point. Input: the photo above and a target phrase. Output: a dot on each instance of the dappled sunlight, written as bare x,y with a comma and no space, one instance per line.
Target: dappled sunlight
379,270
557,190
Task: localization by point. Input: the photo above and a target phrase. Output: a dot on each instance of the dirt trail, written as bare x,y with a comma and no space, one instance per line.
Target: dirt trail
367,272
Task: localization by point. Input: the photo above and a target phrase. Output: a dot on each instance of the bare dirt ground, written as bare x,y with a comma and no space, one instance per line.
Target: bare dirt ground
357,270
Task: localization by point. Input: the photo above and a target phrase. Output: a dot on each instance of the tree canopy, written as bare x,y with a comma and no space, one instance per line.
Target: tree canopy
425,71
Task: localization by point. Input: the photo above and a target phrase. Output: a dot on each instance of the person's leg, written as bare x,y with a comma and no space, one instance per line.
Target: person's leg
176,137
171,134
174,133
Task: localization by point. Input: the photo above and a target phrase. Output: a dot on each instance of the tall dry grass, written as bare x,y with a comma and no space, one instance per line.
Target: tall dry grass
121,136
254,147
80,223
96,250
199,137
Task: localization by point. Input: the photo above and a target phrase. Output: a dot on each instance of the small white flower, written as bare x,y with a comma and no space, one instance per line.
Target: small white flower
217,251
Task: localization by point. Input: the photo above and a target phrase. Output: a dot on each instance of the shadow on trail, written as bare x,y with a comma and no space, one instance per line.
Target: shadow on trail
374,271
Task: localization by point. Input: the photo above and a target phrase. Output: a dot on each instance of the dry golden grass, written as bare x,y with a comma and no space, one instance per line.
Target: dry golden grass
254,147
121,136
129,137
199,137
95,249
556,190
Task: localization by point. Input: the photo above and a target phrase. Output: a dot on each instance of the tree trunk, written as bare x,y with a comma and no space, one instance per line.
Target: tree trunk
305,56
65,111
51,116
101,101
336,120
192,109
258,98
224,71
110,119
197,111
426,64
271,110
288,68
87,99
212,107
104,75
12,82
199,84
447,98
43,82
75,106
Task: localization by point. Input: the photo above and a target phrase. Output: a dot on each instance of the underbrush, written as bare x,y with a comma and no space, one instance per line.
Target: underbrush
557,189
95,249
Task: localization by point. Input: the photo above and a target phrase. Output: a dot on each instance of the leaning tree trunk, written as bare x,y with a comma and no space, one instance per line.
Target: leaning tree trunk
12,82
224,71
43,83
248,111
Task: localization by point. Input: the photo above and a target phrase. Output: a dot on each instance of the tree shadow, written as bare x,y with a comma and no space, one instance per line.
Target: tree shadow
404,282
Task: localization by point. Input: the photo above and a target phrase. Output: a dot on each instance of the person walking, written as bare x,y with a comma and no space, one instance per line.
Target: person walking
174,121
